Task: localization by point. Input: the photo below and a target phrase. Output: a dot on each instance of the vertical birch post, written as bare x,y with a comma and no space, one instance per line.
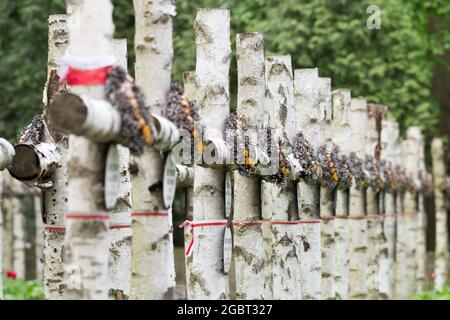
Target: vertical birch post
150,224
86,240
190,90
410,151
55,200
400,244
421,229
6,155
248,242
390,136
18,223
342,130
281,200
39,240
306,84
212,37
357,220
326,206
441,249
373,210
120,224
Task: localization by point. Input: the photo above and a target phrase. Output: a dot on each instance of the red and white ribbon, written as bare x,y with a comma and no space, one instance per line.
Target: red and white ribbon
204,223
85,71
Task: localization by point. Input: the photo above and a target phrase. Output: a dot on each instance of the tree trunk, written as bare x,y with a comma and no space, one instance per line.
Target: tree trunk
342,133
207,279
357,220
18,223
55,200
86,244
280,111
248,249
306,107
151,226
39,239
441,250
400,248
373,244
120,225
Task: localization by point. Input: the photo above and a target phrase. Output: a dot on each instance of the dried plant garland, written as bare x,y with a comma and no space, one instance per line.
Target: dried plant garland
236,131
137,124
305,154
374,177
426,182
390,178
360,175
326,161
342,168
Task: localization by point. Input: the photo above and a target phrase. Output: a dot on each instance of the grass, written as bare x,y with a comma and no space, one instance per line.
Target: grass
16,289
435,295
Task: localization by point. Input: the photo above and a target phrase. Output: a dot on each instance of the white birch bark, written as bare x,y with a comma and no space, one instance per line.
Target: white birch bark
342,132
190,90
279,108
39,239
421,228
307,118
400,248
18,223
55,200
212,30
357,221
248,250
441,249
389,138
326,206
151,233
374,224
120,225
7,206
86,239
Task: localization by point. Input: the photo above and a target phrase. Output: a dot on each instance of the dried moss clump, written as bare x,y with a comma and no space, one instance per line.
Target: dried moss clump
137,127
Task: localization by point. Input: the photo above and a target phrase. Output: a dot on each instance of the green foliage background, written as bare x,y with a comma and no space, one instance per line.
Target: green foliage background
393,66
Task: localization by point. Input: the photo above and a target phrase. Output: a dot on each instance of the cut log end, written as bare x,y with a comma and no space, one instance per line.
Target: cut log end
25,165
68,113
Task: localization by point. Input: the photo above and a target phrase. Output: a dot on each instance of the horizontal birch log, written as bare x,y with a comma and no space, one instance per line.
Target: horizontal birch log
6,153
34,165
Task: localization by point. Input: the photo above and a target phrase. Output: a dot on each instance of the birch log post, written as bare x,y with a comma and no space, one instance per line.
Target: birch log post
86,241
6,155
441,249
411,165
307,117
326,207
212,37
38,239
120,224
400,241
357,220
18,223
248,250
55,199
190,90
390,136
421,228
281,201
374,223
342,134
150,224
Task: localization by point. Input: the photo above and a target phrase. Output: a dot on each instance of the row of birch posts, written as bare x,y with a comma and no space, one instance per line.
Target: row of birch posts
310,192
